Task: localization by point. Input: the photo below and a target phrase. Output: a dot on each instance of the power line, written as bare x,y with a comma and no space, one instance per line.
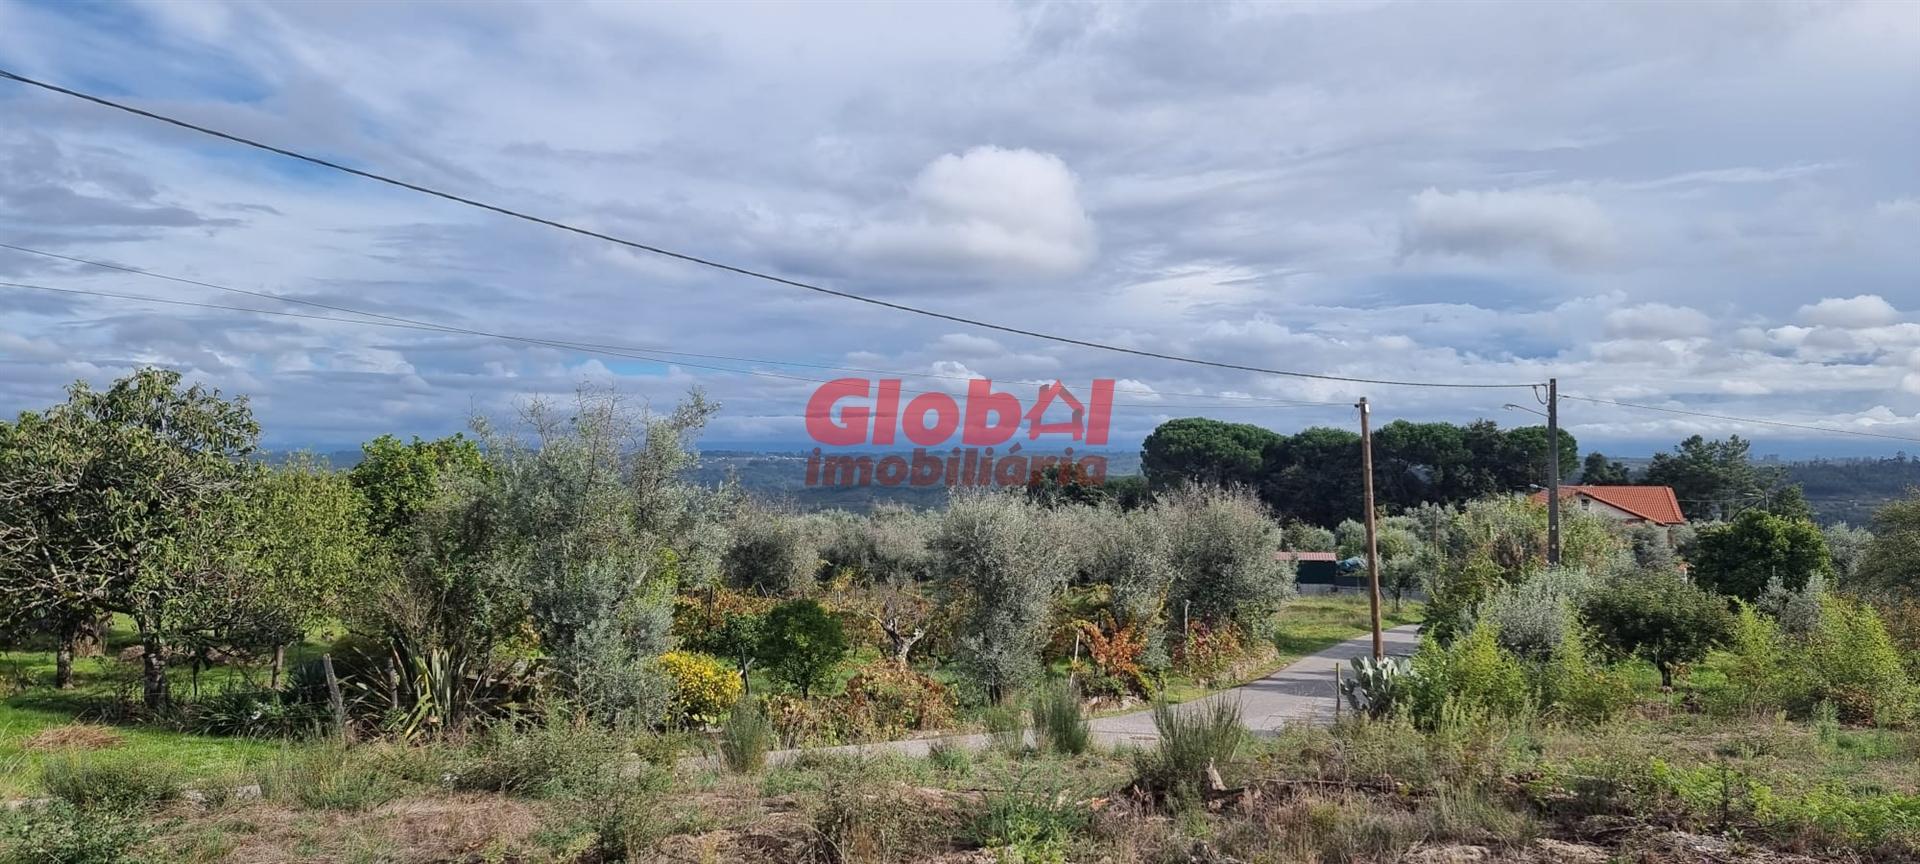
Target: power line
718,265
584,346
554,344
1732,419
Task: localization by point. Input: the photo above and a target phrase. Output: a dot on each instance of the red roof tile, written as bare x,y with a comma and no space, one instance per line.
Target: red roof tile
1655,504
1285,555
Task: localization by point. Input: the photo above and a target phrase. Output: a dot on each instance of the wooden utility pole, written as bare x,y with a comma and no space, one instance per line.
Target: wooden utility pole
1553,472
1373,538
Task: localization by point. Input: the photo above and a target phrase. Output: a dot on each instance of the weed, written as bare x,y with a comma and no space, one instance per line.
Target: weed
58,832
1058,720
745,737
327,779
1195,742
98,783
1007,728
1032,821
950,758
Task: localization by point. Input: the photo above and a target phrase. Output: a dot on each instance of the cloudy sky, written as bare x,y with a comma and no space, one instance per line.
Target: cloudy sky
1704,206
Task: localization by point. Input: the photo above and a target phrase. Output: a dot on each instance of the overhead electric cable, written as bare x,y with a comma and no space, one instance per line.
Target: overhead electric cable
583,346
632,355
1733,419
719,265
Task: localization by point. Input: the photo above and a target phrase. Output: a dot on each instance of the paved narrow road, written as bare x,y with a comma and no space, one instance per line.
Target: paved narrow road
1303,692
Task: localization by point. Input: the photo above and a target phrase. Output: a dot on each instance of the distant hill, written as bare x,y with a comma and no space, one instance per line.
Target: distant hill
782,477
1849,490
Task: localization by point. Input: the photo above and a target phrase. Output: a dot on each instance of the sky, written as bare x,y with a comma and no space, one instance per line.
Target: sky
1708,206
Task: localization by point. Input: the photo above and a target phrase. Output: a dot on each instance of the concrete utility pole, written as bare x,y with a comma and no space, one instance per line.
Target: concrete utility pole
1373,538
1553,471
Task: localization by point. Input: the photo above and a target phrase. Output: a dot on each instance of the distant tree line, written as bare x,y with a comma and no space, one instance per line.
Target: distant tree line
1314,475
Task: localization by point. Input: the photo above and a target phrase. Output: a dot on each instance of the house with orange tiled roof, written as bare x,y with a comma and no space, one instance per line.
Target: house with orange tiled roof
1654,505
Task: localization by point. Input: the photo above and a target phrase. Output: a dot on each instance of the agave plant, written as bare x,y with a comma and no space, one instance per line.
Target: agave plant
1376,687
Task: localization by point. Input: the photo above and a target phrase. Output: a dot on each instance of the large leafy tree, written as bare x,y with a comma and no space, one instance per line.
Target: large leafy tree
307,551
140,487
1740,557
53,571
1598,470
573,496
1199,450
1890,563
997,559
1314,475
1712,479
1524,461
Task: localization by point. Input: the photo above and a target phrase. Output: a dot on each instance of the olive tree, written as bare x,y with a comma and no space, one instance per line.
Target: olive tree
571,497
994,554
1222,547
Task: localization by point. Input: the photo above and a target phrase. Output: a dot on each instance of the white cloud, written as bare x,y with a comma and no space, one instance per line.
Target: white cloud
1853,313
988,210
1570,230
1657,321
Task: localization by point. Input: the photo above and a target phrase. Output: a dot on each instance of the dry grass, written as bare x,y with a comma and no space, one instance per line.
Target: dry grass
71,738
439,828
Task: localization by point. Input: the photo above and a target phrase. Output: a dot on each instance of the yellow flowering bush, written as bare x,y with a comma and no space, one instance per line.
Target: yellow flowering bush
704,687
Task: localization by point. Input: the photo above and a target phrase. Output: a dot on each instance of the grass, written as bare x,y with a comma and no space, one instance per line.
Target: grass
29,707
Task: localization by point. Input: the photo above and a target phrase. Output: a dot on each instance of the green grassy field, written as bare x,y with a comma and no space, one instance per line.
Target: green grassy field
29,705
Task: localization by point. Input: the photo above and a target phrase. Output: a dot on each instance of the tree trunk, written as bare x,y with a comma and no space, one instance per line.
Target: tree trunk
901,642
92,637
1666,677
279,665
63,657
153,665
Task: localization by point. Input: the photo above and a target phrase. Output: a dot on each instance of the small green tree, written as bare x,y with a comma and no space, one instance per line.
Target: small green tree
802,644
1659,617
1738,558
736,638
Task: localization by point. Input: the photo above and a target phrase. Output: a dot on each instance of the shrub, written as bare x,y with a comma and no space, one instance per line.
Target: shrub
1851,661
950,757
108,783
1575,686
704,687
1058,719
1531,617
1659,617
884,700
1761,676
326,779
745,737
258,714
57,832
1194,741
544,759
1474,675
1208,651
802,644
